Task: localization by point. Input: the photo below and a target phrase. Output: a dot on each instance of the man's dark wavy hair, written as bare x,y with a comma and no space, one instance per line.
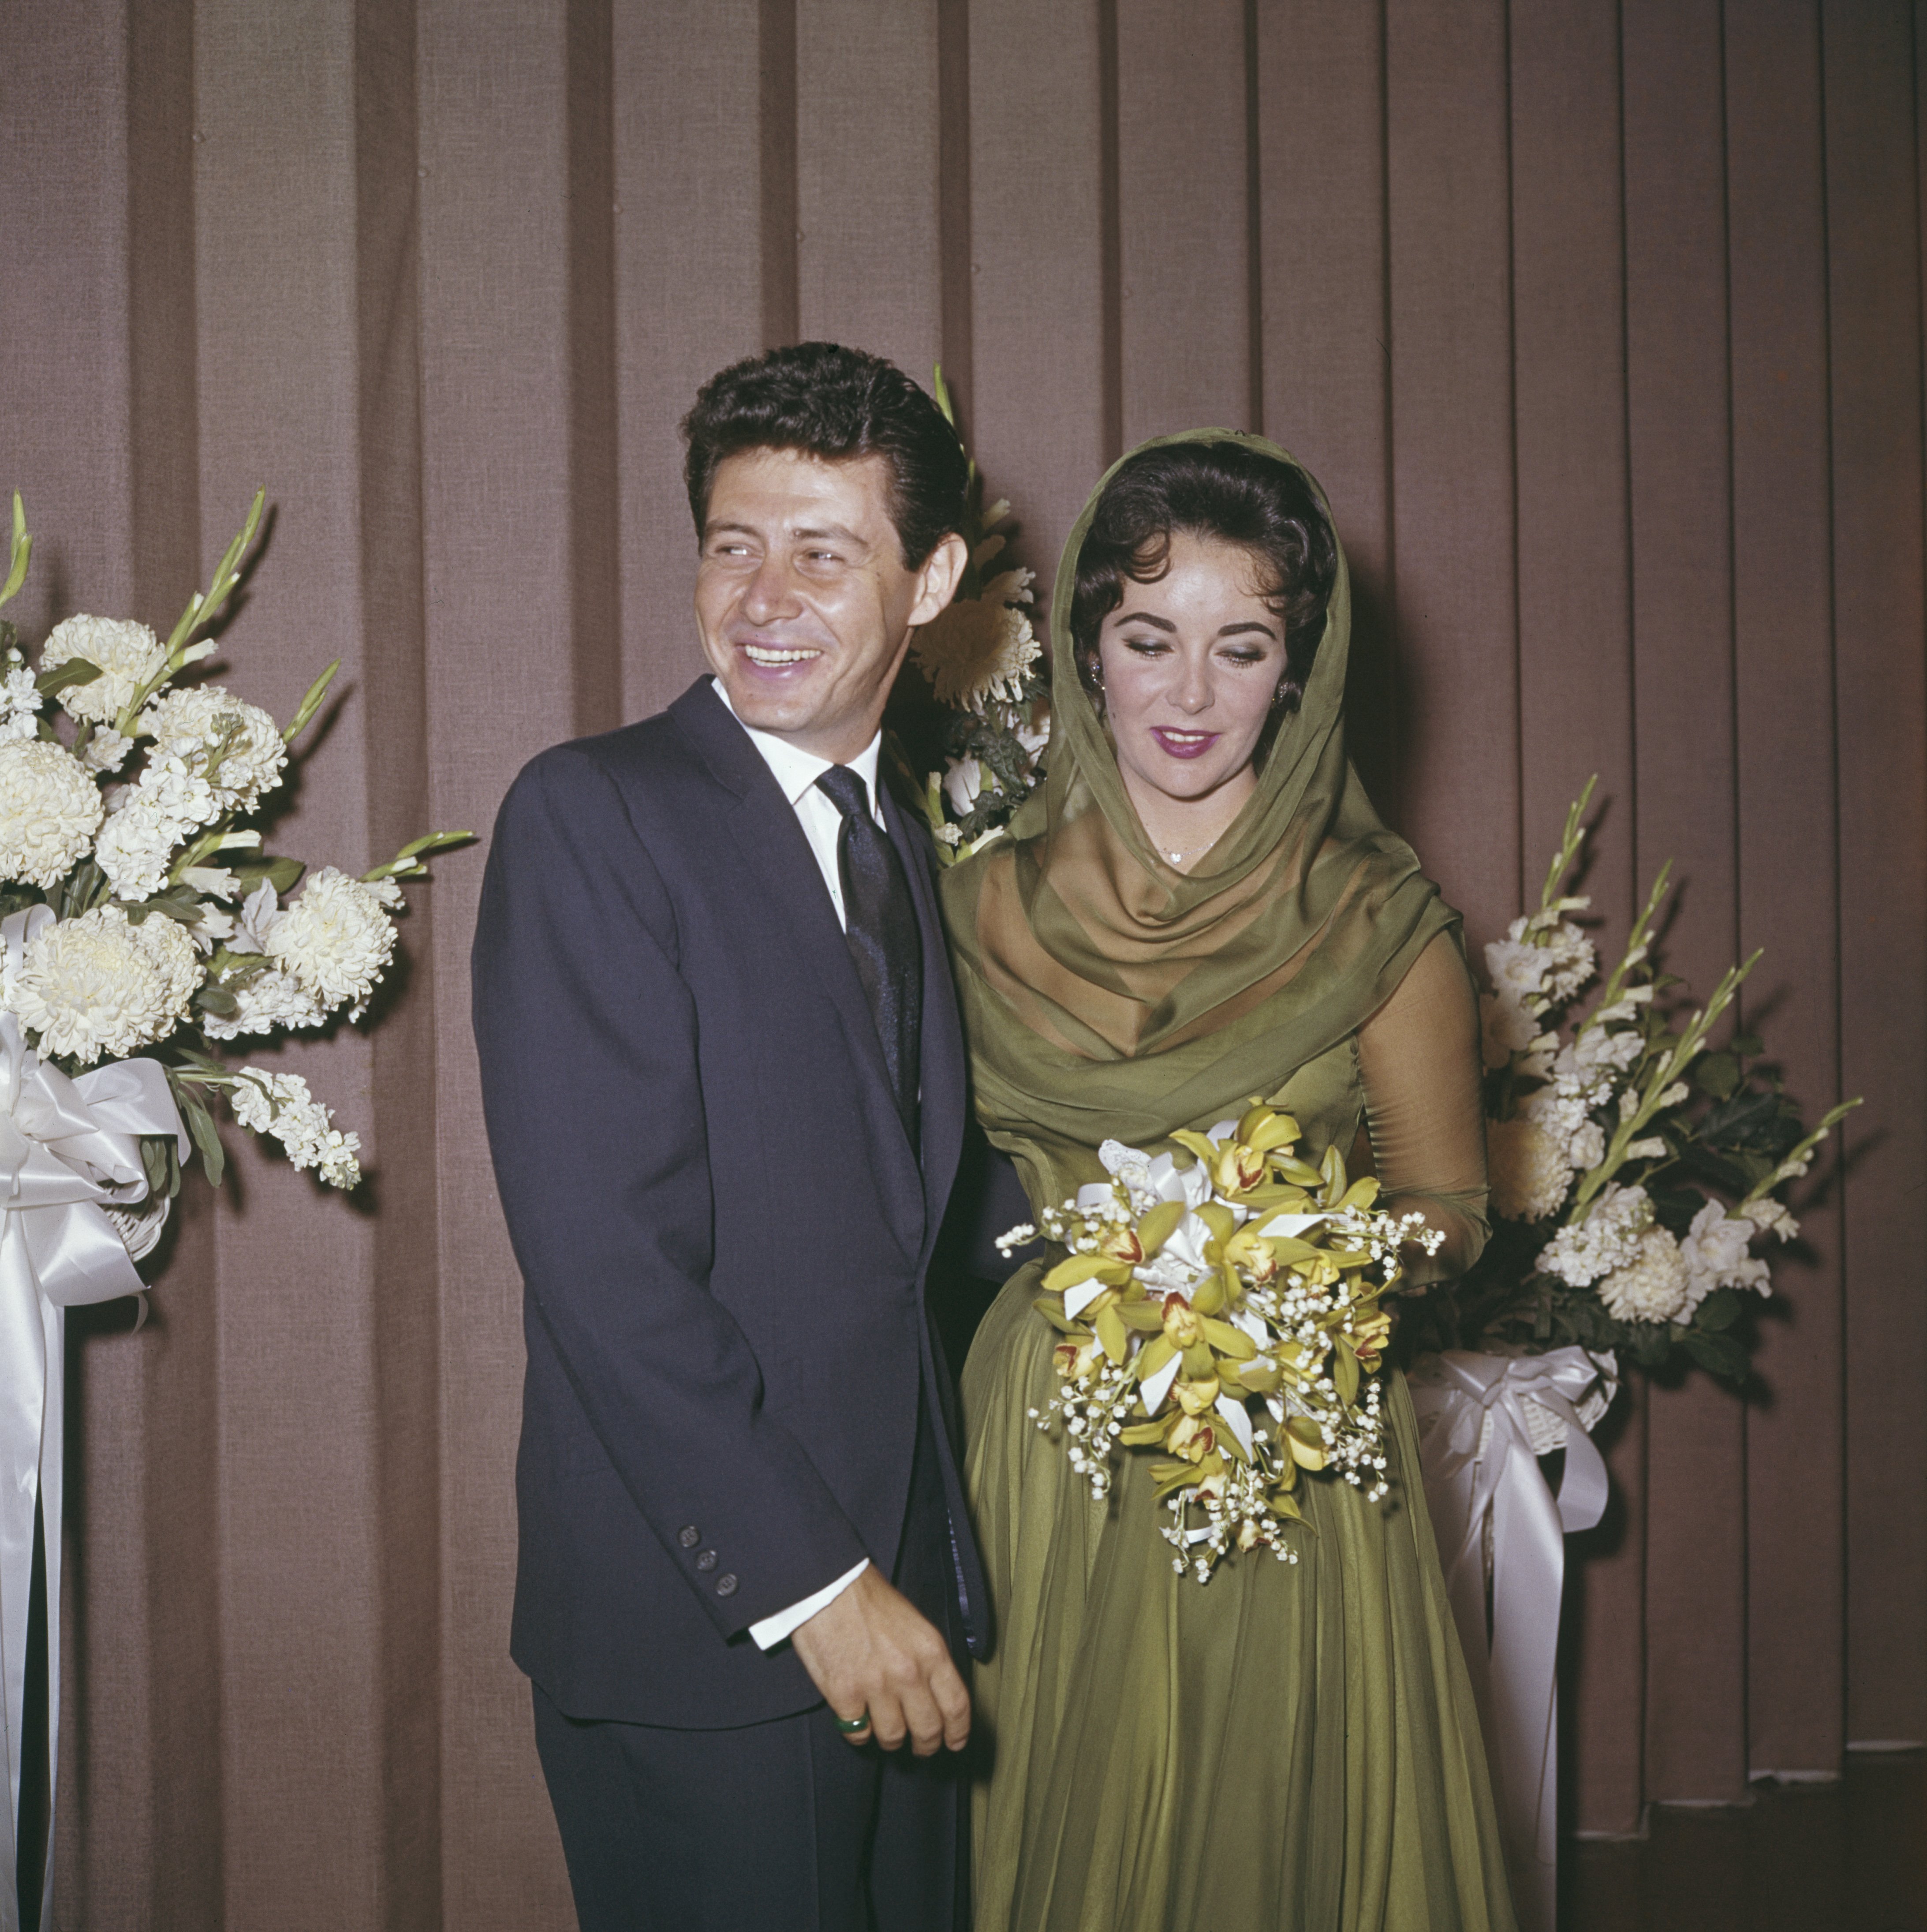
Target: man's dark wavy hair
836,403
1223,489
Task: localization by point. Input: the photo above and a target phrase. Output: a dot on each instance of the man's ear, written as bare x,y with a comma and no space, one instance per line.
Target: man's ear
937,580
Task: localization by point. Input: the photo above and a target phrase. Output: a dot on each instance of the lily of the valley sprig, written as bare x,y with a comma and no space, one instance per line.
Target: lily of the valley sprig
1225,1316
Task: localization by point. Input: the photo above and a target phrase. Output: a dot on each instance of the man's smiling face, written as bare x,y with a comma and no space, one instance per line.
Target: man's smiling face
802,600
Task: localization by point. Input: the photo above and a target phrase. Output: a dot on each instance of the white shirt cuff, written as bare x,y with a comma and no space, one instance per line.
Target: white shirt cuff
768,1634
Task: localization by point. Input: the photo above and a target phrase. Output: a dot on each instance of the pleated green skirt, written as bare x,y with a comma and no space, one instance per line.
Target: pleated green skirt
1290,1747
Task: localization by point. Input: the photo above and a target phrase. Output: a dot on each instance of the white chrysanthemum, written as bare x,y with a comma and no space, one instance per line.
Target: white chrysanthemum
1652,1286
194,724
1529,1175
50,811
1608,1238
100,986
128,655
977,649
280,1104
1715,1254
336,938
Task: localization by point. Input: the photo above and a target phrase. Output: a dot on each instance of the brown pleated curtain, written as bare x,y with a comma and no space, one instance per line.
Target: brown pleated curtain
1602,324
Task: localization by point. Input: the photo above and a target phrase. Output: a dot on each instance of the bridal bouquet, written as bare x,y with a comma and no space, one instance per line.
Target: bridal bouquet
143,925
1635,1169
1224,1316
983,662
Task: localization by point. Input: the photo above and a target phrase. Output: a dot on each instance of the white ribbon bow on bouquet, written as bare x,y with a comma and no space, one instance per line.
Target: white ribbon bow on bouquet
70,1149
1475,1474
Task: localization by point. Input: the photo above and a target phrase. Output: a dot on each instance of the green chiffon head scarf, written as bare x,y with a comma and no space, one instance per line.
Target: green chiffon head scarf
1107,995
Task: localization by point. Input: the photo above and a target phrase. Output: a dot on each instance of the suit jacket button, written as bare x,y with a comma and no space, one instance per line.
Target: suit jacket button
707,1561
726,1584
689,1537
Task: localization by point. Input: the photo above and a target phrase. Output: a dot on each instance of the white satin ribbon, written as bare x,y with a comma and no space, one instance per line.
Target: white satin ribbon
1473,1474
69,1150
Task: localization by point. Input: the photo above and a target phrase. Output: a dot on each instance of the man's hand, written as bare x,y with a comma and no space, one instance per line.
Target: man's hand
871,1650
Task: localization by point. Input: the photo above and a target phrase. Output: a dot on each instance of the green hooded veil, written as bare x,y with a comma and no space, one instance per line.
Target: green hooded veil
1108,995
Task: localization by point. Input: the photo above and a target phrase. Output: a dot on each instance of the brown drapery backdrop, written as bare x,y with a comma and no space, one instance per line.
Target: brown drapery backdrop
1601,323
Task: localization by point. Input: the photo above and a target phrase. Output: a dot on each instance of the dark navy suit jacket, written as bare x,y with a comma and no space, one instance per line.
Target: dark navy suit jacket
722,1227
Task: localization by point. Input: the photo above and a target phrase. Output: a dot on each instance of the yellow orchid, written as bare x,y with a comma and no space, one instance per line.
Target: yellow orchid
1181,1322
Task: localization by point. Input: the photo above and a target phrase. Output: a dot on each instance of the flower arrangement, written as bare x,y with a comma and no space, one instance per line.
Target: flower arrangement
141,916
1226,1316
983,664
1634,1167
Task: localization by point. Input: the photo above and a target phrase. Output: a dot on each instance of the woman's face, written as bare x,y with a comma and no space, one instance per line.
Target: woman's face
1191,663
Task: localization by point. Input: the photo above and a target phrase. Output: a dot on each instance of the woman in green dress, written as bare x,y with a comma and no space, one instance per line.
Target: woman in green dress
1199,907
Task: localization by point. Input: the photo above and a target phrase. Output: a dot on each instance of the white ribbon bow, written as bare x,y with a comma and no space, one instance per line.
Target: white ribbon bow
1473,1473
69,1150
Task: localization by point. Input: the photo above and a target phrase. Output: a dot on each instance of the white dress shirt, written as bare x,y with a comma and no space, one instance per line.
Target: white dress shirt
797,772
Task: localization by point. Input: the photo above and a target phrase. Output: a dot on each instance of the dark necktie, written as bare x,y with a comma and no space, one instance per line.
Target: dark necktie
880,926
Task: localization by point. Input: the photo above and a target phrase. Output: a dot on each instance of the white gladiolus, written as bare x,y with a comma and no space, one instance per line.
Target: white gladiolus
1653,1286
336,938
50,811
128,655
1715,1254
1770,1217
280,1104
100,986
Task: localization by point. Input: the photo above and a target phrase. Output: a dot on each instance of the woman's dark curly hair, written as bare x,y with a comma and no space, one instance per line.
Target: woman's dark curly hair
1225,491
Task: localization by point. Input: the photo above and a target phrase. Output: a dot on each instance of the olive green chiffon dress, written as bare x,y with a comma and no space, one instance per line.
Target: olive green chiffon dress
1289,1748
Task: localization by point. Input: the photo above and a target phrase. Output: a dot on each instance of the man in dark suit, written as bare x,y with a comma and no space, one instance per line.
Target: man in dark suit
724,1084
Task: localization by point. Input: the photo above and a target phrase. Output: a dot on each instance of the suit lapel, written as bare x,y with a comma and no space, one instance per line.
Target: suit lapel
776,853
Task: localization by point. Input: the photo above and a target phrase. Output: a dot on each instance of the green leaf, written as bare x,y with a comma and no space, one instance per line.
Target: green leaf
19,553
283,874
1719,1355
1344,1370
1159,1224
1717,1074
201,1126
217,1001
68,676
1719,1310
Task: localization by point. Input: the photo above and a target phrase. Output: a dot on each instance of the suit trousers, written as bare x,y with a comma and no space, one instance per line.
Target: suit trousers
776,1827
